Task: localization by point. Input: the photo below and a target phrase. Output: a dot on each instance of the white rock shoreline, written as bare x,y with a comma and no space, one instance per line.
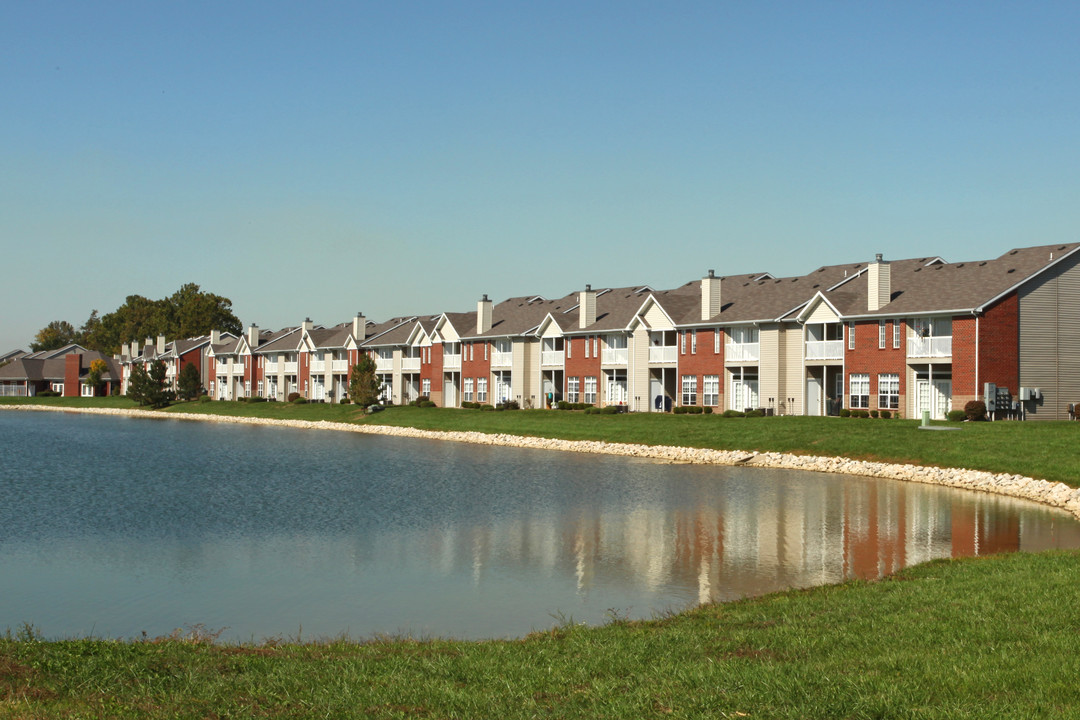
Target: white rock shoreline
1055,494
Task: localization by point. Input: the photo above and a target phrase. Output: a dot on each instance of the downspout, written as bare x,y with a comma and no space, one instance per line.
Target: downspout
976,354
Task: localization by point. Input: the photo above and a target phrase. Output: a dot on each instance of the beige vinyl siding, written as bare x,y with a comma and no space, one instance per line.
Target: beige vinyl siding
1050,341
522,382
656,319
768,365
792,371
638,372
822,314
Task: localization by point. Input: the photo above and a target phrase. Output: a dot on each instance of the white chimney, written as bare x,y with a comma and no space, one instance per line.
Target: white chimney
359,328
483,315
253,336
879,280
710,296
160,345
586,307
215,337
307,324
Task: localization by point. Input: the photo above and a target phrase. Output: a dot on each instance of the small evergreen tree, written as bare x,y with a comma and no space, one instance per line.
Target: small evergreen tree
363,383
189,383
148,388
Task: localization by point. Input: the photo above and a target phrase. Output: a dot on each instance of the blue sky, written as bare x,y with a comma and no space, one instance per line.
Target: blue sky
317,159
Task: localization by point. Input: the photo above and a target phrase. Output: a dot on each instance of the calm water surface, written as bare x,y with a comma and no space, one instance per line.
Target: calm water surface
115,526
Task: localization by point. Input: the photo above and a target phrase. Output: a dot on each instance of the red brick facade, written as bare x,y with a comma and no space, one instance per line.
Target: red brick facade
476,365
698,357
869,358
581,367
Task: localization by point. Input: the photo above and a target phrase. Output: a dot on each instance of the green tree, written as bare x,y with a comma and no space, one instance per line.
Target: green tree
148,387
363,383
55,335
189,384
192,312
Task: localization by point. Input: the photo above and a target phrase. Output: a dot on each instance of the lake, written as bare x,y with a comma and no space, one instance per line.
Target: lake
113,526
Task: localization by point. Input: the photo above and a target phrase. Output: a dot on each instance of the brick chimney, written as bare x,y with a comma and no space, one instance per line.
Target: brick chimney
483,315
586,307
710,296
879,280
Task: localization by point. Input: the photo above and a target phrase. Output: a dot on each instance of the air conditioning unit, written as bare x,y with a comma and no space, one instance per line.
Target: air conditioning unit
1025,394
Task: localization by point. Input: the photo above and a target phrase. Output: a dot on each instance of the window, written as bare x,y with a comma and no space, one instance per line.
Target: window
87,390
425,388
572,389
569,346
744,388
587,348
689,389
468,389
716,341
881,334
481,388
859,390
485,351
851,336
693,342
260,388
682,342
596,346
888,386
896,334
590,390
711,390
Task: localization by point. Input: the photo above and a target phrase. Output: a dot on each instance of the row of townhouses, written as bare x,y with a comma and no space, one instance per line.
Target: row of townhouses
908,336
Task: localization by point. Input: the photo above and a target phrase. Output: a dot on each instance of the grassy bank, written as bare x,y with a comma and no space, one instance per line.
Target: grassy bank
1036,449
988,638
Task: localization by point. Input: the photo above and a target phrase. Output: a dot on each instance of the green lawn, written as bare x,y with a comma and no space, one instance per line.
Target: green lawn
988,638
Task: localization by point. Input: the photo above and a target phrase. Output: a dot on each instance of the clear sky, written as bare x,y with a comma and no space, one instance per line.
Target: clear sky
315,159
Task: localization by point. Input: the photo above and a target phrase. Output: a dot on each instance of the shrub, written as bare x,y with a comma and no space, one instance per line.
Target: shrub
975,410
205,398
844,412
48,393
862,414
885,414
256,399
755,413
956,415
427,403
299,401
508,405
293,397
345,401
873,413
733,413
487,408
708,411
469,405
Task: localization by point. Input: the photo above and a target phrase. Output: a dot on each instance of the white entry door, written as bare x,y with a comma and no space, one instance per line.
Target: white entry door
813,396
934,396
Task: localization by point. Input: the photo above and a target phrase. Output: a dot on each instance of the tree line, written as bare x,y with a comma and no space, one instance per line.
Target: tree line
188,312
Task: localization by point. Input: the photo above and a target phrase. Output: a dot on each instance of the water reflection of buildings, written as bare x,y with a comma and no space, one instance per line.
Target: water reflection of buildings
752,538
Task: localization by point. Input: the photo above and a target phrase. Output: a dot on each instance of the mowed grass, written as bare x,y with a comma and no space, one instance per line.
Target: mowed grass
984,638
1049,450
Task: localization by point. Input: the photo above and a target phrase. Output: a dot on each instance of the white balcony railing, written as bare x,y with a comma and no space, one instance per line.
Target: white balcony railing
271,366
410,364
614,356
662,353
384,364
741,352
552,358
289,368
502,359
929,347
824,349
451,362
318,366
221,366
340,366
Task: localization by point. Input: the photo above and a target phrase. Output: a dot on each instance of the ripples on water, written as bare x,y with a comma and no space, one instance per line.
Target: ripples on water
115,526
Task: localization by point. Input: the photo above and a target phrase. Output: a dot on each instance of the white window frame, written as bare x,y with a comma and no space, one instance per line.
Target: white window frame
896,333
425,387
468,389
573,385
710,390
590,389
851,335
481,388
716,341
693,342
889,391
859,391
881,335
587,346
689,389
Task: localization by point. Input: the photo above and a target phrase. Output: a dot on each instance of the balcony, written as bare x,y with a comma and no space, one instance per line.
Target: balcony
384,365
502,359
824,349
742,352
662,353
552,358
929,347
340,366
614,356
318,366
289,368
451,361
410,364
271,366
